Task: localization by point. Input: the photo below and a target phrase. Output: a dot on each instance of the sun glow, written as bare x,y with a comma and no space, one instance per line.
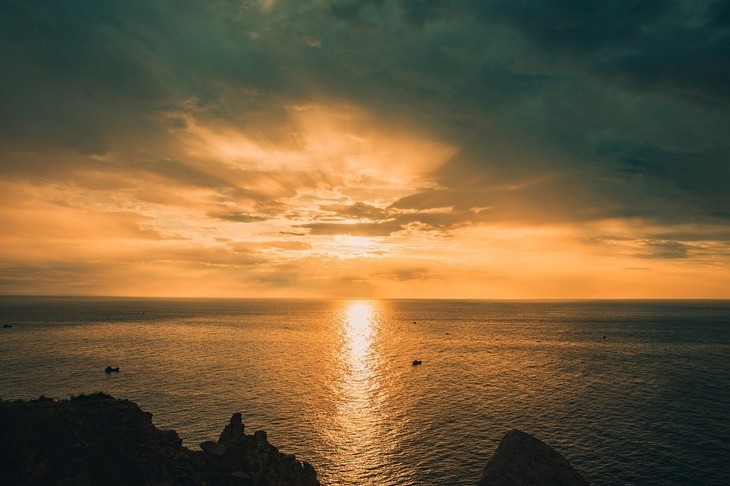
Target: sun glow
355,241
347,247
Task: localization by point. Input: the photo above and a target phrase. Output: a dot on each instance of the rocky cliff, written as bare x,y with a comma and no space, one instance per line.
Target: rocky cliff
96,439
521,459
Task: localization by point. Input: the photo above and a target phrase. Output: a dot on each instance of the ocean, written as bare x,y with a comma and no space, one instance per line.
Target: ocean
630,392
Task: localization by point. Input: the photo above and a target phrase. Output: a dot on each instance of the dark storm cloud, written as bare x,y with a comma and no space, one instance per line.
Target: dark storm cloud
578,26
699,178
558,81
352,10
680,47
70,69
82,74
621,105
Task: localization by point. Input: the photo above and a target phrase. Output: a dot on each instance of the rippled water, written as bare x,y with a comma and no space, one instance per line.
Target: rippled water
332,381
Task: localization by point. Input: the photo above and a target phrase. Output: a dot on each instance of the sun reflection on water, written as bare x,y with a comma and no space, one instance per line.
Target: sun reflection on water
359,337
357,411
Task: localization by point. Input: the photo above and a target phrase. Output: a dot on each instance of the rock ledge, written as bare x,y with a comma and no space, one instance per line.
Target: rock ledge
97,439
522,459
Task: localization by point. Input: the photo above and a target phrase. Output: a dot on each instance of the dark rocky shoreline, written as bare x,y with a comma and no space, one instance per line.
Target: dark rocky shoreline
97,439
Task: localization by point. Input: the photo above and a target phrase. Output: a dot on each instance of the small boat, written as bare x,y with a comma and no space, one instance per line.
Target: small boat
416,362
7,326
109,369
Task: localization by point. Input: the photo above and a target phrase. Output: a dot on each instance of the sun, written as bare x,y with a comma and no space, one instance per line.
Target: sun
348,246
363,242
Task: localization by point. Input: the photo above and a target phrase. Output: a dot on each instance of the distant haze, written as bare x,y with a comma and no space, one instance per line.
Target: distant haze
346,148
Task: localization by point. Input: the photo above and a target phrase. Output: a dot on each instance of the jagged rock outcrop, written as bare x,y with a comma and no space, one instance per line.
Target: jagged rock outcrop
96,439
234,430
521,459
253,458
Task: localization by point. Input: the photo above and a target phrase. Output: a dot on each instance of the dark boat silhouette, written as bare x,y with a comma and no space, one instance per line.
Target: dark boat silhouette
416,362
109,369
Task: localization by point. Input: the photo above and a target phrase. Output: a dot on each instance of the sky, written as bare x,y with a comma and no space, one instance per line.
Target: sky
489,149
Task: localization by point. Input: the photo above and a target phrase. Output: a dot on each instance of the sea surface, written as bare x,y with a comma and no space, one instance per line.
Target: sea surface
630,392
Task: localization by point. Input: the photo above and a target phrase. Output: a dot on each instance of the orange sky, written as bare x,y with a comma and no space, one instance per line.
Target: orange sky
284,152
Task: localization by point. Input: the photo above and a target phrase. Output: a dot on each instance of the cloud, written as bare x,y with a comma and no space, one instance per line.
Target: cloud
356,210
354,229
255,246
289,245
672,47
78,74
665,250
406,274
283,125
239,217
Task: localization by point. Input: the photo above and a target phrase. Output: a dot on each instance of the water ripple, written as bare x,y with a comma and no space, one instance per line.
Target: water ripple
333,381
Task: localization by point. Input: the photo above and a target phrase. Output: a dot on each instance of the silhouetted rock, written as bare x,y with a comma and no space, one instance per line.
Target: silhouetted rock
255,457
96,439
234,430
521,459
213,448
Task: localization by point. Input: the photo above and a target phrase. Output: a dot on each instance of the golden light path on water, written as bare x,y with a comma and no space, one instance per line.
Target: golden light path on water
357,412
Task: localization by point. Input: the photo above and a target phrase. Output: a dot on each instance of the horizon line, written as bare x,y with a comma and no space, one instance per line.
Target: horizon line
480,299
